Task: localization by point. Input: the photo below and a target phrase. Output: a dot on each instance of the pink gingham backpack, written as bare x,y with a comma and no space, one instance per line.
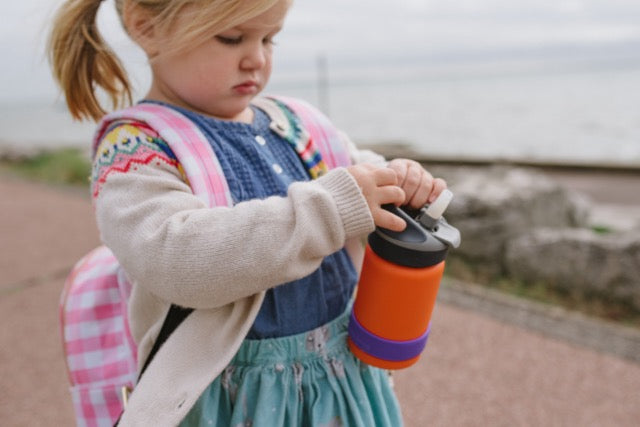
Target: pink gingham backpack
100,352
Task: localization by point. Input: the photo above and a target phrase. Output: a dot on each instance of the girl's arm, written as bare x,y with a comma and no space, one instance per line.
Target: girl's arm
177,248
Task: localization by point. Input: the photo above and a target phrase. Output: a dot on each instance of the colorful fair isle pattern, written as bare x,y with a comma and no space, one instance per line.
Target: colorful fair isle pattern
125,147
99,349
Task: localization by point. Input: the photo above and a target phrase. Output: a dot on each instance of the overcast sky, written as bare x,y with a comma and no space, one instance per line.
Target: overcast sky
361,31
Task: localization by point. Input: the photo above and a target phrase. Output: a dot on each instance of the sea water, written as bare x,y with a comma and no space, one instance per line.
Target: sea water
564,114
577,114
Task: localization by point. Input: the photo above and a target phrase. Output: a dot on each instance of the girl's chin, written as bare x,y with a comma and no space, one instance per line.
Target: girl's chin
244,115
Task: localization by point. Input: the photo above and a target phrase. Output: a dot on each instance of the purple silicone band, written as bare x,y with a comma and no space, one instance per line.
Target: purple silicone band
394,351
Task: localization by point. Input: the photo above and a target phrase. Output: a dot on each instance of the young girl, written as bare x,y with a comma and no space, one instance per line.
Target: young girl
269,278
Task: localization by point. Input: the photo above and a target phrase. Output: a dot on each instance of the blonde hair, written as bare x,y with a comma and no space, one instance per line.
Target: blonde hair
82,62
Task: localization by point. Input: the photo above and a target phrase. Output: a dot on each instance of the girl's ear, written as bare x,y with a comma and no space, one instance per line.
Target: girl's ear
139,24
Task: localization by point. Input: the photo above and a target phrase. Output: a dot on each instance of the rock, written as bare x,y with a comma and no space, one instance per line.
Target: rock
521,225
495,205
579,260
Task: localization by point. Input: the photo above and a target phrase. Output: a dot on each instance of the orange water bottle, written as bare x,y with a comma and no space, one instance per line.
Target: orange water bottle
401,274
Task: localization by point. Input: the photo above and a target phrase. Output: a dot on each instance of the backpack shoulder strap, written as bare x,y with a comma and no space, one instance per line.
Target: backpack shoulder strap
188,143
315,138
328,140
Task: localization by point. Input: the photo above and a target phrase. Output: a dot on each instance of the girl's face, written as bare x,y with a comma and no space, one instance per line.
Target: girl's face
220,76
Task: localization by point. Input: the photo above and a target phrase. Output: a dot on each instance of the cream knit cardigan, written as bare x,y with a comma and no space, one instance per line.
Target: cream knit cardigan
219,261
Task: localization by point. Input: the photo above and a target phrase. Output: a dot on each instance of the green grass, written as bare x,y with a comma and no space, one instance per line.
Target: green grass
66,166
601,229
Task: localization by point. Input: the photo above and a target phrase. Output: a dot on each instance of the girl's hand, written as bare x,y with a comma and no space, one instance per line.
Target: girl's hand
379,185
419,186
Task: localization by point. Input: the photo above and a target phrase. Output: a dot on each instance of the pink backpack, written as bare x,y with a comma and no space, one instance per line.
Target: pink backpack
100,352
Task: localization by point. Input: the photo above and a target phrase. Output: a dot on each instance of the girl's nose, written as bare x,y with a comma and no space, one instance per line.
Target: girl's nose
255,57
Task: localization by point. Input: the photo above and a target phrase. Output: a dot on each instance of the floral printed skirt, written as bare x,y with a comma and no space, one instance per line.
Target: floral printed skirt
309,379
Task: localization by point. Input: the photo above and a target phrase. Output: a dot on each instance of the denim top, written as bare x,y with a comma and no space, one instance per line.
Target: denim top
257,163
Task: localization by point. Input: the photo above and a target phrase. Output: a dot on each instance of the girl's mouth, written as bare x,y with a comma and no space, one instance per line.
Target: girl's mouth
249,87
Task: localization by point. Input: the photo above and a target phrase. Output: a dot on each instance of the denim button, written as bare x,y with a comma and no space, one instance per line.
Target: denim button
277,168
260,140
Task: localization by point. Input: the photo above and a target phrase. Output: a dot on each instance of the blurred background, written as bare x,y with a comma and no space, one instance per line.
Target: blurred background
538,319
548,80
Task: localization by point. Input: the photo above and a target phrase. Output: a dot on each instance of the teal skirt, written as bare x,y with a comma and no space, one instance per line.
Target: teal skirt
309,379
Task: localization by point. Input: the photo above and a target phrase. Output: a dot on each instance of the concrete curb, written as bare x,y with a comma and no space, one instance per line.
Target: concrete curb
553,321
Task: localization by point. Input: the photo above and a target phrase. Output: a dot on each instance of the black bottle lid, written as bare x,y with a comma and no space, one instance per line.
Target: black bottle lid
423,243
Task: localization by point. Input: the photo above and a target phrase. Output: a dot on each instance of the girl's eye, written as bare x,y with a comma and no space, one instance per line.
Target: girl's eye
268,41
229,40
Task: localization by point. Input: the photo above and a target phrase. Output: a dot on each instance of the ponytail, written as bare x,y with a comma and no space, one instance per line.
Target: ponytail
82,61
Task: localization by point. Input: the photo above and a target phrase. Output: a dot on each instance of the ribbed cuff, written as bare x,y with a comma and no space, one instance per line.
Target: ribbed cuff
352,206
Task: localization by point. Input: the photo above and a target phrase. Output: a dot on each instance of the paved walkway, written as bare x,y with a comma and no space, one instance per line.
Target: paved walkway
477,370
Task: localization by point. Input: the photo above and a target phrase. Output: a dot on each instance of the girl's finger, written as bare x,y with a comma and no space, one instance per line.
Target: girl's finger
385,219
439,185
390,195
413,183
400,166
385,176
422,194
